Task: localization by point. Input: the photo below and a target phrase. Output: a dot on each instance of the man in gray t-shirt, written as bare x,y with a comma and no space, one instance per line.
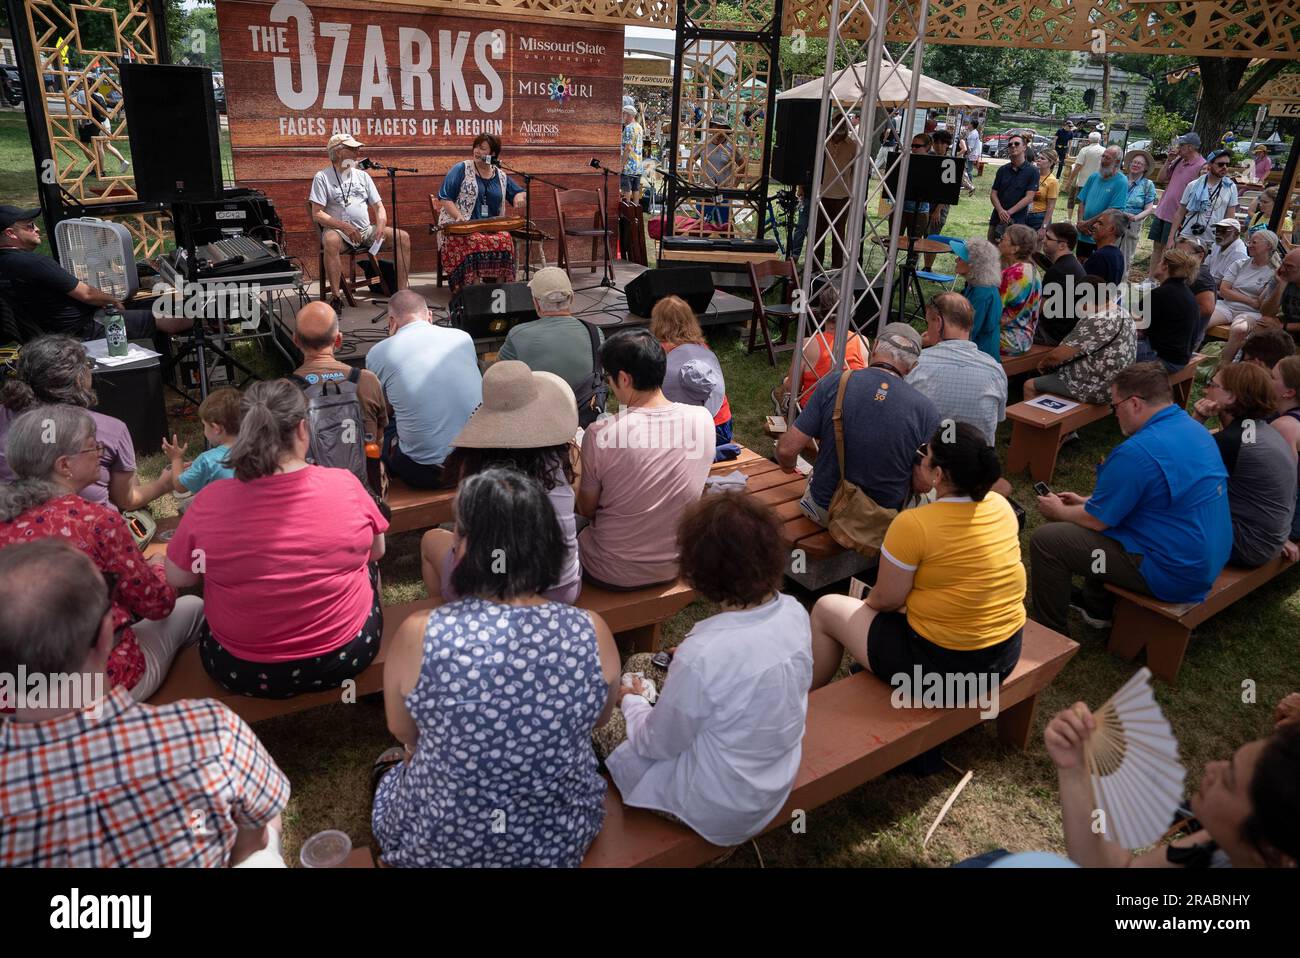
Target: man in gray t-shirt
556,342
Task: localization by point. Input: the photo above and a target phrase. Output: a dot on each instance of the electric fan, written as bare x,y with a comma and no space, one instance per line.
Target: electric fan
1137,780
99,253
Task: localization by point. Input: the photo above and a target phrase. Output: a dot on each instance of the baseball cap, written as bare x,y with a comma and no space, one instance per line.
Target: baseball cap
551,285
9,215
1191,139
903,337
1228,223
959,247
343,139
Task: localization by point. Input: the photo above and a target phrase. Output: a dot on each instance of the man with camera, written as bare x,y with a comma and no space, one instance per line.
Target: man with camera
1208,199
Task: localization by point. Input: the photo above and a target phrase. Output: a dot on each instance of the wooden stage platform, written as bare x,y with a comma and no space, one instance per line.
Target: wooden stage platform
363,325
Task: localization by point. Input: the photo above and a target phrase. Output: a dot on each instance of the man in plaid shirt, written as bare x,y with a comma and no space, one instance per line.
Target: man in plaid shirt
114,783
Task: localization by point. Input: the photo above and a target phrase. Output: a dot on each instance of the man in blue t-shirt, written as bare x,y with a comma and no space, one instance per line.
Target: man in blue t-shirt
1157,521
885,422
1107,189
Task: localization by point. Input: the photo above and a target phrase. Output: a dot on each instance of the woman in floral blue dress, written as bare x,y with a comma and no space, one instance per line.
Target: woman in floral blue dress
494,697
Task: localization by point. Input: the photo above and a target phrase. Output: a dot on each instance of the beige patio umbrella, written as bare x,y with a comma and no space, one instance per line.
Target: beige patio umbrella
894,89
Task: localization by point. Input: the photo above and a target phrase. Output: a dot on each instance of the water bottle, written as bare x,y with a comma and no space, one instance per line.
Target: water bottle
115,331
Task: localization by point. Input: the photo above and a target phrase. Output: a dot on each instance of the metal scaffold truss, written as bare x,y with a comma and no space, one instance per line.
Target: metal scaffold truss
871,216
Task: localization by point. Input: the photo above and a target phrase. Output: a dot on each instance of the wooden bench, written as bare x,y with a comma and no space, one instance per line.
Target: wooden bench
1025,362
417,508
636,618
1036,433
1165,628
853,735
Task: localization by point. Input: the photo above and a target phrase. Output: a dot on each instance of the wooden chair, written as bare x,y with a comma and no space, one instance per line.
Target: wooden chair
631,221
348,275
761,276
433,229
569,207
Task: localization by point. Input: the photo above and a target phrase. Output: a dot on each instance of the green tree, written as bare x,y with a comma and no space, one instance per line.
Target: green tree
1002,71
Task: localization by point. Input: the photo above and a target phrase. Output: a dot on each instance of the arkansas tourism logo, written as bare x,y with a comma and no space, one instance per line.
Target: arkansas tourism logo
537,131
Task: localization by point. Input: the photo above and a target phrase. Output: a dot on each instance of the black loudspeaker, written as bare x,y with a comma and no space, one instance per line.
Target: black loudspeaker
171,117
692,283
795,132
134,394
486,310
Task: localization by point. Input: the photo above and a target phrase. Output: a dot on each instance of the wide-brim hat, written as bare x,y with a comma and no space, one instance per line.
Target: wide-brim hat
521,409
1151,160
1260,148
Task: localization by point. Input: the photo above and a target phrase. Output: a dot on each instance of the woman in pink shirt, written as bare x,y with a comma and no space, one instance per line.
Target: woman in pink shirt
285,551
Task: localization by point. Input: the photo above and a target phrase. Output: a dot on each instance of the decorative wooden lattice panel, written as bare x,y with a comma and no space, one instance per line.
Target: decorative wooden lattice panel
1236,28
1283,89
650,13
77,50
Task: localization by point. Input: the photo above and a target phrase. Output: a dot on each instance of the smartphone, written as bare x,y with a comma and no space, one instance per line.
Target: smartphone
662,659
1042,489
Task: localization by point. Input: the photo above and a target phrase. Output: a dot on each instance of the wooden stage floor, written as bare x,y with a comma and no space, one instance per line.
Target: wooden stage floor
363,325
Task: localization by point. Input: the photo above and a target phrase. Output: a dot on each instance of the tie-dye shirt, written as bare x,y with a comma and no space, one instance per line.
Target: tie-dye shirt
1021,289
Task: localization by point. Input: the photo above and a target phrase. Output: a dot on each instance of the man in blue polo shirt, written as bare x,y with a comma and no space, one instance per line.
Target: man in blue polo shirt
1157,521
1013,189
1107,189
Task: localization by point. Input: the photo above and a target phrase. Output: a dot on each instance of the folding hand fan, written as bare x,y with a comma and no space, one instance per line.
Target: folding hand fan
1137,780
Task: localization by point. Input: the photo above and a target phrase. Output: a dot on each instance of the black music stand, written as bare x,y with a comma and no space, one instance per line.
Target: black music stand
528,213
183,214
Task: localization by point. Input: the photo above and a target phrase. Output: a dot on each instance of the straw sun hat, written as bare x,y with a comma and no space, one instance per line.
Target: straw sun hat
521,410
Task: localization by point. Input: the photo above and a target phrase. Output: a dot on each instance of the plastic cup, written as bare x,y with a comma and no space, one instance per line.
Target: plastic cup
327,849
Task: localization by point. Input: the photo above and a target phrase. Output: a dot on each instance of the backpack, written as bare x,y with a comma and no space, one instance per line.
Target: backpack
592,393
336,421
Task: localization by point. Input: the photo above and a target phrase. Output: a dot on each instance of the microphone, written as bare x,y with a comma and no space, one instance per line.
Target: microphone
369,164
494,160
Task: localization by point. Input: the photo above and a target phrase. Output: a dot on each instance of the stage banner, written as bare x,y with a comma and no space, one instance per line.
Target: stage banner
416,86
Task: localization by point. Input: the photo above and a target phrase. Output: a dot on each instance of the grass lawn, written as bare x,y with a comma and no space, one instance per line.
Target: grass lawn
1012,799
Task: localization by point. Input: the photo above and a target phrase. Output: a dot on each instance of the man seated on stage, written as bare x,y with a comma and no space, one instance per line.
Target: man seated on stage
317,335
641,469
109,782
555,342
431,379
343,202
476,189
885,422
48,296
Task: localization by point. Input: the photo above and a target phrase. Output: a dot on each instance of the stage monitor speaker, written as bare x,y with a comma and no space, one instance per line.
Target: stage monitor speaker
171,117
486,310
692,283
795,132
930,178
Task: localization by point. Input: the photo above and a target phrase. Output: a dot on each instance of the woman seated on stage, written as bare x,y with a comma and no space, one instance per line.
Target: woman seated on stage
476,190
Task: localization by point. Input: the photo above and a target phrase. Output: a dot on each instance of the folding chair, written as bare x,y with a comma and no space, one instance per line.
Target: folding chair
569,204
948,278
762,275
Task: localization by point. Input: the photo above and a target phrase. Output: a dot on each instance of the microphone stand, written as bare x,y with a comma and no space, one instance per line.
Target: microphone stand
607,279
392,172
673,178
528,211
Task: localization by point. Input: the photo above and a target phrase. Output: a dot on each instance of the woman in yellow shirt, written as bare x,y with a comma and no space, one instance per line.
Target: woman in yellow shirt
1049,188
950,594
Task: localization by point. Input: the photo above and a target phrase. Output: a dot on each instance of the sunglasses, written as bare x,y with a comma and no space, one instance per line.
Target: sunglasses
922,451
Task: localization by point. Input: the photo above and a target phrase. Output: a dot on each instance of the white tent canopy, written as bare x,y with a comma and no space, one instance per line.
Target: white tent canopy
894,89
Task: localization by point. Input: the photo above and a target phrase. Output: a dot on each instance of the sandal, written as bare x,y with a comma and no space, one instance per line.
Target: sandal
391,757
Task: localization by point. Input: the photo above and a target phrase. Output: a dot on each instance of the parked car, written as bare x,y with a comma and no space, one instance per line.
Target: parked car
996,145
11,85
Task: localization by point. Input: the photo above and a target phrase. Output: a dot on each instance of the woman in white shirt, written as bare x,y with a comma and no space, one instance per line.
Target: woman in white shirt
1243,289
720,748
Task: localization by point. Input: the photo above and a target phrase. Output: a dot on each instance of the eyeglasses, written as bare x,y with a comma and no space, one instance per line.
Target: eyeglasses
1114,407
1220,164
922,451
98,449
1214,384
920,146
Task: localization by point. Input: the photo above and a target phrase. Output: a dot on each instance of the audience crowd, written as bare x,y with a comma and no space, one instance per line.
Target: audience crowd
507,697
